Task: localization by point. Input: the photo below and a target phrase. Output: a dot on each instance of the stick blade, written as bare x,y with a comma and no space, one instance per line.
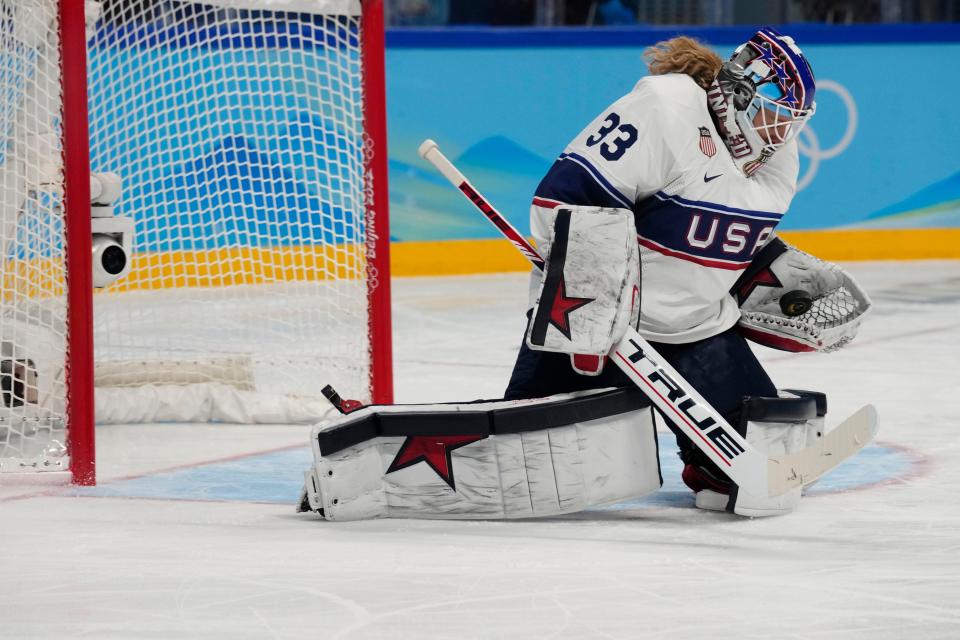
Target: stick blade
804,466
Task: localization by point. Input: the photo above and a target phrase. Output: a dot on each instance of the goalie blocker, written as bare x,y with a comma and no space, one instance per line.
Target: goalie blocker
523,458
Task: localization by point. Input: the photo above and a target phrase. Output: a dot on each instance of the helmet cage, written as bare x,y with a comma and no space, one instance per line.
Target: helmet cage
764,98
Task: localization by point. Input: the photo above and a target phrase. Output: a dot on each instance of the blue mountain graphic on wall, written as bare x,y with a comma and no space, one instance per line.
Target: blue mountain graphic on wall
501,153
937,205
238,195
423,206
234,192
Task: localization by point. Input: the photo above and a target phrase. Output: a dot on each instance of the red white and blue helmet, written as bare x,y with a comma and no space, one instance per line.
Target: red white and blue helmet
762,97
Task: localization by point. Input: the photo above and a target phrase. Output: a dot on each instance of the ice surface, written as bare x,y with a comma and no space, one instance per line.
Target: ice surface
191,531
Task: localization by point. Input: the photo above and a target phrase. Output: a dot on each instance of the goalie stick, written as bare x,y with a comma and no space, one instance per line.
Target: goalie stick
752,471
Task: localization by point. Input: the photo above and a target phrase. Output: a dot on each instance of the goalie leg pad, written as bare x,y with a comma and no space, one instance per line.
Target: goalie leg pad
484,460
590,290
775,426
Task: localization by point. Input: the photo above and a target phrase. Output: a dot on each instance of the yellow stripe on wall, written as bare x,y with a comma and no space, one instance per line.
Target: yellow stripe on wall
878,244
242,266
228,267
457,257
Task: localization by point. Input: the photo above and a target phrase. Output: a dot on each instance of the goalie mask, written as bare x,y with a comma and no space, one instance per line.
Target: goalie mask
761,98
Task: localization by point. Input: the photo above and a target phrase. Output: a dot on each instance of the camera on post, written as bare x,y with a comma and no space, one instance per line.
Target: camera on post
112,234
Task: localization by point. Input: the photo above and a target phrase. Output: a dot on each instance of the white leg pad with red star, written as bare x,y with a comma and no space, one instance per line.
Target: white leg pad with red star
484,460
590,290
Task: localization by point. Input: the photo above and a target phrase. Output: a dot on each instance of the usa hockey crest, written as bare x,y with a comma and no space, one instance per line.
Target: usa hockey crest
707,146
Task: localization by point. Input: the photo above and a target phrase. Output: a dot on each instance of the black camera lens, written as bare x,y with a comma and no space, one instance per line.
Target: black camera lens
113,260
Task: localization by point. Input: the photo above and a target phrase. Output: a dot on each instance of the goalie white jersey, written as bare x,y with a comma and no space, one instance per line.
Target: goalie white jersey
699,219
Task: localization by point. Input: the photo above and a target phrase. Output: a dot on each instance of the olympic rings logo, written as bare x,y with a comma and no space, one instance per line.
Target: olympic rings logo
809,143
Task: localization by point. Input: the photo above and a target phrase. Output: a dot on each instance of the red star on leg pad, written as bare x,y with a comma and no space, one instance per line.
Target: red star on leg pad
561,308
434,450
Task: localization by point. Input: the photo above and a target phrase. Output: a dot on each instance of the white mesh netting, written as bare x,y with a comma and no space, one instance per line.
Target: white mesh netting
236,127
237,130
33,343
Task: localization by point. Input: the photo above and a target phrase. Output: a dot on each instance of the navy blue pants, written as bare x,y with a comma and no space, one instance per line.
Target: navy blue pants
722,368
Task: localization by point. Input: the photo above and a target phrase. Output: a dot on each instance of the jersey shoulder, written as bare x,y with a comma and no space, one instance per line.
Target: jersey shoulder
781,172
675,93
681,108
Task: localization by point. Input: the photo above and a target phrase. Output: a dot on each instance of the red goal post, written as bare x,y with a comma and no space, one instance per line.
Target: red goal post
250,136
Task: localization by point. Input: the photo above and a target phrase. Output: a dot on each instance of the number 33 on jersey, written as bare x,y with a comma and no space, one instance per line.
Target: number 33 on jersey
699,220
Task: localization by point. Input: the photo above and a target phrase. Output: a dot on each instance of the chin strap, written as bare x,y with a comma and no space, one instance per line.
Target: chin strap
724,116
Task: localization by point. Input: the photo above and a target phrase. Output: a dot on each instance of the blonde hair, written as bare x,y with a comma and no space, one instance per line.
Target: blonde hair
684,55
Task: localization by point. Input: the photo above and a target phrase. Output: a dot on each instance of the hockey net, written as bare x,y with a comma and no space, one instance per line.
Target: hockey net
242,132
